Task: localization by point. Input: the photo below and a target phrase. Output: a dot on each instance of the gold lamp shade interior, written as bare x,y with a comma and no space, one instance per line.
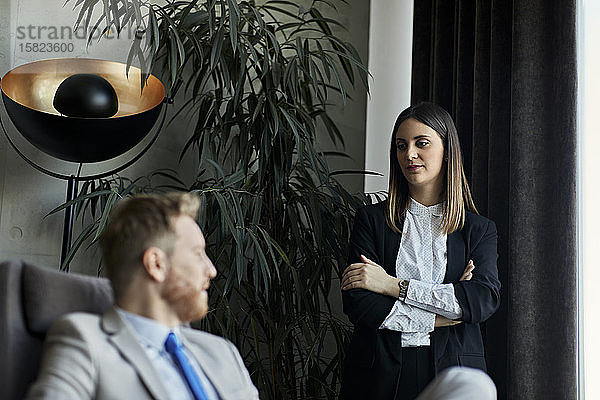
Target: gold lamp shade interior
33,85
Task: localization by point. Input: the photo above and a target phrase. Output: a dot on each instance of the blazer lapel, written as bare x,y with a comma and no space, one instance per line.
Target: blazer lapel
217,380
121,337
455,254
392,340
391,247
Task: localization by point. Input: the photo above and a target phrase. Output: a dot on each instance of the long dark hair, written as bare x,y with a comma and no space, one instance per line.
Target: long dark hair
457,193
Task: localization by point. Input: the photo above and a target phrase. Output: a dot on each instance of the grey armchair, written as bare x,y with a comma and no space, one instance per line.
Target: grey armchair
31,299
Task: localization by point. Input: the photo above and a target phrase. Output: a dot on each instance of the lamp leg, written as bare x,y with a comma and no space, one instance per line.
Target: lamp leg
68,224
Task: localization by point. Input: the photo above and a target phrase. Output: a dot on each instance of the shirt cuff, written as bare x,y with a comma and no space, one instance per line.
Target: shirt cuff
436,298
406,318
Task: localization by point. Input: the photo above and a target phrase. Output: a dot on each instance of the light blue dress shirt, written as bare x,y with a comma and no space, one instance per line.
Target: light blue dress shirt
152,335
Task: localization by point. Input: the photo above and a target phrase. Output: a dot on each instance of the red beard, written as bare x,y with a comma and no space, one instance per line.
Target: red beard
189,302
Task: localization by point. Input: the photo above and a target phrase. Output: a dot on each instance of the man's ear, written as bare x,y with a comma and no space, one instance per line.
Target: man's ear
155,263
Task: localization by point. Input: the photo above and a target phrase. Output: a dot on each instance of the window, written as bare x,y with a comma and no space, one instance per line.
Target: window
589,198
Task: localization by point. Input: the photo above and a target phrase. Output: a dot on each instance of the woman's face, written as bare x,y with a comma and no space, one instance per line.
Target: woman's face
420,153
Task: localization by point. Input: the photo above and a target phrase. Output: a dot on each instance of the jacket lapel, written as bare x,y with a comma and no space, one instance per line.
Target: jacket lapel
121,337
456,263
390,339
391,247
455,254
217,381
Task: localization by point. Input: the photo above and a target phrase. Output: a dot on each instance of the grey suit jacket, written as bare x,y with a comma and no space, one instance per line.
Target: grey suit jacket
88,356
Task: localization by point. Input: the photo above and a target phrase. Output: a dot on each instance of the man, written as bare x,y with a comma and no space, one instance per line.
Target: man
154,255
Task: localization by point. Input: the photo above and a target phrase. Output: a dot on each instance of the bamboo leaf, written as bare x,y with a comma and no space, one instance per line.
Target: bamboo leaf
292,123
283,2
133,51
82,237
273,244
170,175
115,15
79,199
339,82
217,167
216,48
332,129
112,198
355,171
233,24
226,218
280,10
138,12
315,213
263,264
154,30
106,4
86,8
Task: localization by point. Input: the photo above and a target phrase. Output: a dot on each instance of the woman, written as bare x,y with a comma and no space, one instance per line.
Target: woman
422,272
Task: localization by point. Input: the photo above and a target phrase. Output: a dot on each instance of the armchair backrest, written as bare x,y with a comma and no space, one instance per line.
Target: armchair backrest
31,299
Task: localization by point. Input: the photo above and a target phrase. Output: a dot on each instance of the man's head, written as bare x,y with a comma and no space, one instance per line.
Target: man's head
154,240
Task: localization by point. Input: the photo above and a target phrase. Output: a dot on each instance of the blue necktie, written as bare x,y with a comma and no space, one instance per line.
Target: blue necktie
175,349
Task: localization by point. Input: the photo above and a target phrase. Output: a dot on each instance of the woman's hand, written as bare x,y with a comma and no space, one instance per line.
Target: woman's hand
468,272
368,275
466,276
440,321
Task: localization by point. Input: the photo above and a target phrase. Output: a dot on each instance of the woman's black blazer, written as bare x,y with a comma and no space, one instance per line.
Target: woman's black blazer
373,360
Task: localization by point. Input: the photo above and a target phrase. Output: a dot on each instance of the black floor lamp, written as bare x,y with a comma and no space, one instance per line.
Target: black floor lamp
82,111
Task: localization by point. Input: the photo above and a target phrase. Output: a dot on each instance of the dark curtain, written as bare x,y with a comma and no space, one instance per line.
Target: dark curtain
506,71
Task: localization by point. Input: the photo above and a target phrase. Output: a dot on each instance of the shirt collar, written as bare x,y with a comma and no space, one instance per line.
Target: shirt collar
416,208
149,331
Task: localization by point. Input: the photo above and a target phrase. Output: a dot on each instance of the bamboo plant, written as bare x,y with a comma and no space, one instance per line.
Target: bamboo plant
259,80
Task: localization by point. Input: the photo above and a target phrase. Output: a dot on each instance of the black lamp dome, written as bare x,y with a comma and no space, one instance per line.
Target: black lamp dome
86,96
